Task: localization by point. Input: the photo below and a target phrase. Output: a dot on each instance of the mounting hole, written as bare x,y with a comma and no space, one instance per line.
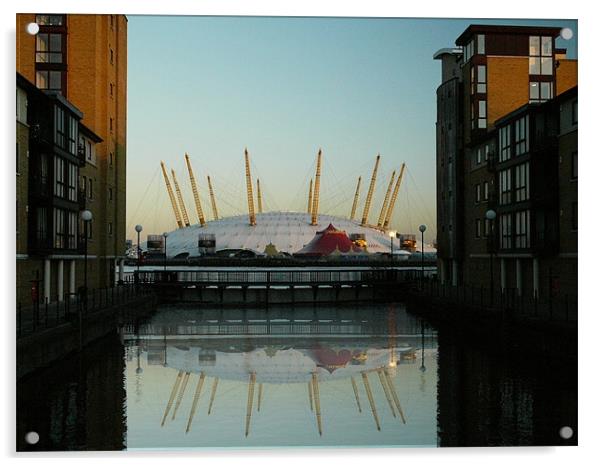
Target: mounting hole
32,438
33,28
566,432
566,33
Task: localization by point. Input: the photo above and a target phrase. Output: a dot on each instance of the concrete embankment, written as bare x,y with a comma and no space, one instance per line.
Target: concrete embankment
43,347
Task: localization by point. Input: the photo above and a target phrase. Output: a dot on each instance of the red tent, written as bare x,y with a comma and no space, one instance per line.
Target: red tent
328,241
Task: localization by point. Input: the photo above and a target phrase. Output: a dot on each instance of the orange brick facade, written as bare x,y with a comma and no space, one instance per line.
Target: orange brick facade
96,83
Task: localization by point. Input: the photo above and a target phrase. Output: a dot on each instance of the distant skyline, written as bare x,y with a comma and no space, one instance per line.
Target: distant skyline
283,88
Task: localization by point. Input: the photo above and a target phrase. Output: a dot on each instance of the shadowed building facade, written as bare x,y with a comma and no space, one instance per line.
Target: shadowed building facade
505,137
83,60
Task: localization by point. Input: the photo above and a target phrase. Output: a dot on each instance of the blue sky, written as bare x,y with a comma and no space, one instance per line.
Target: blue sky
284,87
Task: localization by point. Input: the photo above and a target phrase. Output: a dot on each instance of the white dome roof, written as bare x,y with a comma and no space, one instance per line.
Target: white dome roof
288,231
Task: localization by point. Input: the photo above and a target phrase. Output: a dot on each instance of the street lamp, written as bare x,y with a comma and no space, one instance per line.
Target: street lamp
86,217
138,229
491,215
422,229
165,235
392,234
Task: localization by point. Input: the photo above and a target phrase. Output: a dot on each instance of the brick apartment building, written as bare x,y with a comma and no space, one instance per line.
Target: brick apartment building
71,134
507,143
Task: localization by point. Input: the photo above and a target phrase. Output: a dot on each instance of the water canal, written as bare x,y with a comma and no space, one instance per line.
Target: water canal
372,375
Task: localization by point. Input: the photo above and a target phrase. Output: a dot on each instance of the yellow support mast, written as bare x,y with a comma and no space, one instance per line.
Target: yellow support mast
355,198
309,198
180,199
383,210
394,197
195,192
370,192
172,198
316,197
259,201
252,221
212,197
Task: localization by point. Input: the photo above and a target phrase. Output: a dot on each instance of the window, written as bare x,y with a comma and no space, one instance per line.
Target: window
478,228
72,231
486,190
472,80
110,228
49,80
49,20
505,186
506,231
112,19
521,136
574,213
89,150
110,159
90,190
487,227
41,223
574,112
482,114
59,177
49,48
73,126
479,157
72,185
504,143
110,194
481,79
468,51
111,124
82,186
574,166
540,91
21,106
59,228
59,126
481,44
521,180
522,237
540,55
477,193
111,56
111,89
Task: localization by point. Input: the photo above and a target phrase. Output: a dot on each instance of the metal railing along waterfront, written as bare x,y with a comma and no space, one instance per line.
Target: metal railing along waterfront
313,277
508,302
48,314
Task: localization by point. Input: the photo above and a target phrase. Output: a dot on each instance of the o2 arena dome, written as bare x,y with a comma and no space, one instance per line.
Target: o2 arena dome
309,234
288,232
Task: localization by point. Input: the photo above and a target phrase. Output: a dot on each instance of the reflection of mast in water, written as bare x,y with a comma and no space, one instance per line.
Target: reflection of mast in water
357,396
371,399
316,387
197,393
328,362
250,402
174,390
213,390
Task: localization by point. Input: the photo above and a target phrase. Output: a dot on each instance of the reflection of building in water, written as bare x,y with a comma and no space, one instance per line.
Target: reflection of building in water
309,364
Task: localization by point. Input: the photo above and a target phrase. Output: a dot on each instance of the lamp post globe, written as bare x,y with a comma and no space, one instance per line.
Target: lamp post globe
422,229
138,229
491,215
165,235
392,234
86,215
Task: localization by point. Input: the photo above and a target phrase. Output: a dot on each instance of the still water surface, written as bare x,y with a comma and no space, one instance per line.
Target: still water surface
323,376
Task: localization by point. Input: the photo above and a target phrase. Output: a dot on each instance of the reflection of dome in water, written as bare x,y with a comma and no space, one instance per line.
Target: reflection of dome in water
281,365
287,231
